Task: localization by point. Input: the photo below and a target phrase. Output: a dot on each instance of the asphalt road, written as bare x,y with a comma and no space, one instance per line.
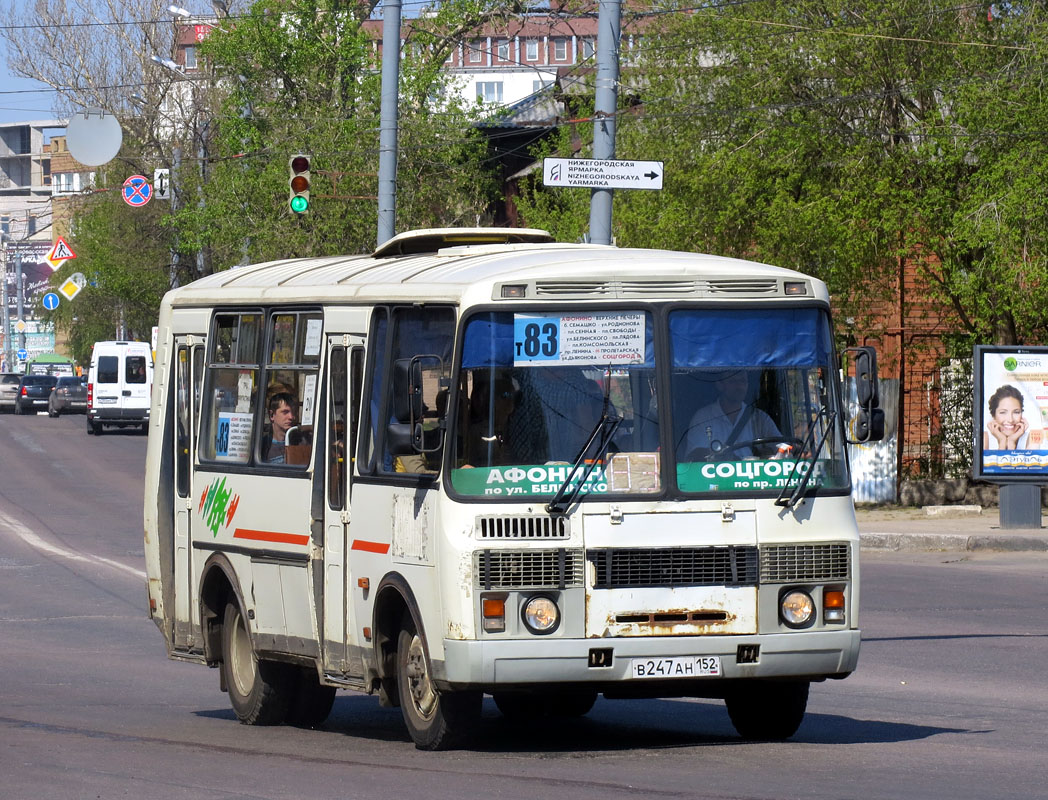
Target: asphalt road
949,700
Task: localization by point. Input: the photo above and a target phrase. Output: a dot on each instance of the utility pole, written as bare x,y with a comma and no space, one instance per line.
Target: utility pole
21,296
8,350
387,146
609,26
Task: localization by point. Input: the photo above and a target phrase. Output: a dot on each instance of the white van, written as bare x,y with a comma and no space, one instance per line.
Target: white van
119,383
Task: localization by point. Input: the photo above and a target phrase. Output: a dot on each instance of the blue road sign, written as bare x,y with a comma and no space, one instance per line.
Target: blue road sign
137,191
50,301
22,354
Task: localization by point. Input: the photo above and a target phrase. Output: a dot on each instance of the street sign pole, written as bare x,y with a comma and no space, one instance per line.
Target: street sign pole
609,26
8,350
21,296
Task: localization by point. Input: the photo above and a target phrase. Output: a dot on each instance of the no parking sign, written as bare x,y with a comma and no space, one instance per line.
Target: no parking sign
137,191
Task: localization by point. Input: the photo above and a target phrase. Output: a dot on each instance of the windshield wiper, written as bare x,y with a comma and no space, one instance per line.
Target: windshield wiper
601,436
802,484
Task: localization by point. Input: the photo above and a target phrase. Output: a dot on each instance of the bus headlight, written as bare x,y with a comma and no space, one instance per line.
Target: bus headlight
796,608
540,614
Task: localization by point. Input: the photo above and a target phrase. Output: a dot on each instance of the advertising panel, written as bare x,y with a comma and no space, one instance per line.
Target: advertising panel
1011,414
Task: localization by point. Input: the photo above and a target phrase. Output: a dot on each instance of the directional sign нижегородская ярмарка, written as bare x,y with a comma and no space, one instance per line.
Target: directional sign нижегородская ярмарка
598,174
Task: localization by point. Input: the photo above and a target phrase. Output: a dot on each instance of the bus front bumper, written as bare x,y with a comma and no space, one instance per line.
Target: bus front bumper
488,665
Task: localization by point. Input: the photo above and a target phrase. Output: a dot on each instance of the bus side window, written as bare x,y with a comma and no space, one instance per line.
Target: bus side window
425,334
292,370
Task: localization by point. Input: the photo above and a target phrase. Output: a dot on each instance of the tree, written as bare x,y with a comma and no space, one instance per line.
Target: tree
838,137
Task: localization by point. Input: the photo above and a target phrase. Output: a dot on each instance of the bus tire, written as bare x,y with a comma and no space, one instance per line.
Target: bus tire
310,701
435,720
767,711
258,689
571,704
518,706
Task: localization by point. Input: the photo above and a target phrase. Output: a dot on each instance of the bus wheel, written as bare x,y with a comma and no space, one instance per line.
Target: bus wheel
518,706
435,720
767,710
571,704
310,701
258,690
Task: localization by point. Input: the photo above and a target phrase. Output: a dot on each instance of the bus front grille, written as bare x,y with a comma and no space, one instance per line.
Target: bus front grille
528,569
522,527
618,567
805,562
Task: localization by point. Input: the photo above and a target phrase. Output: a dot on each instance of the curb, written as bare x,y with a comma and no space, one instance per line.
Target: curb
1003,542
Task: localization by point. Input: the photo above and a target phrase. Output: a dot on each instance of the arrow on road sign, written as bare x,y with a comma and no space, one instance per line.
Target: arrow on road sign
50,301
162,184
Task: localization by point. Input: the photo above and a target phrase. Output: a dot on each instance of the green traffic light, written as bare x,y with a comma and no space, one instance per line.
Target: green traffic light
299,204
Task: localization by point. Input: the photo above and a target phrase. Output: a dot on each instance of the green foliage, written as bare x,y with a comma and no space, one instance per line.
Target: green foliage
835,137
305,79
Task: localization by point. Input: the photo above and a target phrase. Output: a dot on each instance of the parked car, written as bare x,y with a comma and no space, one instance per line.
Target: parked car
69,394
33,393
9,390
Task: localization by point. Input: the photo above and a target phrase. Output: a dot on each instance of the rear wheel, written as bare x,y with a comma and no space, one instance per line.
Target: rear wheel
767,710
18,408
435,720
258,690
51,410
310,701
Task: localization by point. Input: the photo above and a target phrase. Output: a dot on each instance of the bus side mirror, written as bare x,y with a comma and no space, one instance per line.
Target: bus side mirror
868,424
865,360
407,390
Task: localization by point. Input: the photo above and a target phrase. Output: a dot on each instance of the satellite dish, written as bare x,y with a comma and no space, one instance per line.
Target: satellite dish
93,137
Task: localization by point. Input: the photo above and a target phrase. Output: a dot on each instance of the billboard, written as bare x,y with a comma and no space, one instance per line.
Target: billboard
1010,416
36,275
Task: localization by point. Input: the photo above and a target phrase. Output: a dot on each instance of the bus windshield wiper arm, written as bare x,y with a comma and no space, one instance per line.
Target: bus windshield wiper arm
802,484
602,435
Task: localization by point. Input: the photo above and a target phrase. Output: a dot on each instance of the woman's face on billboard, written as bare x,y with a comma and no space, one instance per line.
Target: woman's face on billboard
1009,414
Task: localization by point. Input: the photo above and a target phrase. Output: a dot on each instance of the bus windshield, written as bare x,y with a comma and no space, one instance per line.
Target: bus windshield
751,408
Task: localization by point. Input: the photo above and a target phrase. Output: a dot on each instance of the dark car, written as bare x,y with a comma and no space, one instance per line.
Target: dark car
69,394
33,393
9,390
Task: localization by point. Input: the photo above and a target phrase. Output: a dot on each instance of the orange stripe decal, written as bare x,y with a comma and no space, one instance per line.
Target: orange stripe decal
271,536
370,547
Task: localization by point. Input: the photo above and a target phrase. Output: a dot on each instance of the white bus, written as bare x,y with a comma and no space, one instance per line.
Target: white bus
479,461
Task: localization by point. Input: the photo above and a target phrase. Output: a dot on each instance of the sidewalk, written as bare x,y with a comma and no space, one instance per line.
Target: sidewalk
944,528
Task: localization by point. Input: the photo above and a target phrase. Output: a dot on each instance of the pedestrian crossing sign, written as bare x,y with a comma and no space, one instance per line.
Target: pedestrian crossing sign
60,253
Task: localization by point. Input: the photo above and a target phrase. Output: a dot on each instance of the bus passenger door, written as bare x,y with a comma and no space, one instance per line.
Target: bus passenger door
345,367
189,372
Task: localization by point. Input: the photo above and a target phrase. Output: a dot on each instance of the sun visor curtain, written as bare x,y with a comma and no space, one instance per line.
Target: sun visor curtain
769,337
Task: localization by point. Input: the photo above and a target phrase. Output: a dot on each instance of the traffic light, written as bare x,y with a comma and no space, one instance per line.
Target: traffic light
298,184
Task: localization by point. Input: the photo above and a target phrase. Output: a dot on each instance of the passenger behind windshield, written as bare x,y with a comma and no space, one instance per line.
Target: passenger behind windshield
731,426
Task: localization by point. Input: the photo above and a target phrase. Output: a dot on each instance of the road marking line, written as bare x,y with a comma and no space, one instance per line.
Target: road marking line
34,541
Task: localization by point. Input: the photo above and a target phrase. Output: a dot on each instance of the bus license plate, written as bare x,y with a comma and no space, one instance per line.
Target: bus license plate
677,667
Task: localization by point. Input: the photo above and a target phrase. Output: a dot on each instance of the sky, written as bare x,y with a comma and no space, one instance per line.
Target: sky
15,105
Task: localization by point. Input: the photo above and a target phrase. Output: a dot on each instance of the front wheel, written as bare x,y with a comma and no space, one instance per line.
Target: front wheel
435,720
258,690
767,711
